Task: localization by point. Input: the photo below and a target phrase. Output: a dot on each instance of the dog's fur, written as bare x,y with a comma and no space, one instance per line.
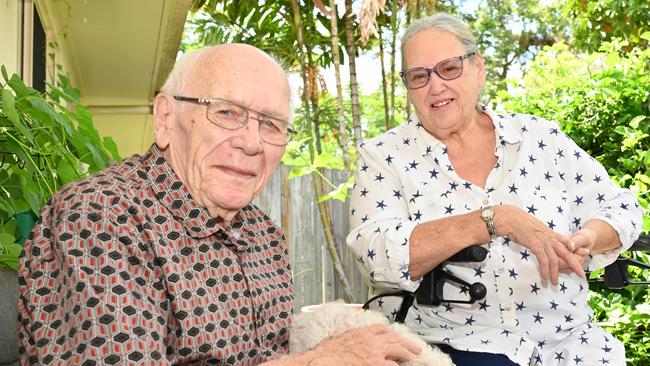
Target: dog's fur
308,329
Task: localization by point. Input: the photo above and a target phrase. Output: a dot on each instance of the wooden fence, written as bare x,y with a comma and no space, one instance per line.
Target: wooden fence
292,205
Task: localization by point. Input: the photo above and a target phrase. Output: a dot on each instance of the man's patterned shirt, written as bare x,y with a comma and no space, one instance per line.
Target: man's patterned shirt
405,178
124,267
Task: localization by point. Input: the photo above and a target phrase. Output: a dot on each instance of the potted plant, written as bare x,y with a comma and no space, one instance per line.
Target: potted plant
46,140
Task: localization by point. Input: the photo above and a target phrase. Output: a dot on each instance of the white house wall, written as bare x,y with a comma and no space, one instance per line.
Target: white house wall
9,36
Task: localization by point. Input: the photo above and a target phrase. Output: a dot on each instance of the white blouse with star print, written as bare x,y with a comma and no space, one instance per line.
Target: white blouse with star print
405,178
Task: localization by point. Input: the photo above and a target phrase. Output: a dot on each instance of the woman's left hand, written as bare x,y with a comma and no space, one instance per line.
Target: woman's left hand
580,243
582,239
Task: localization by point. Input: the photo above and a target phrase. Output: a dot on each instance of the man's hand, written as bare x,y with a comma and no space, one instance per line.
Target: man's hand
369,346
551,249
375,345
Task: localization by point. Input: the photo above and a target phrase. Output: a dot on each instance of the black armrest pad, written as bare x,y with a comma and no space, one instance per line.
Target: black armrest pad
641,244
616,274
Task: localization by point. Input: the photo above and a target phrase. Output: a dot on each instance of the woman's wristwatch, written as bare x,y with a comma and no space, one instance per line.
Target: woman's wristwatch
487,214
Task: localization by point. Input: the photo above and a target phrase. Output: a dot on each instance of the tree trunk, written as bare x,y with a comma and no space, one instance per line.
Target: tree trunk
325,210
384,82
317,179
303,73
393,46
336,57
313,98
413,8
352,63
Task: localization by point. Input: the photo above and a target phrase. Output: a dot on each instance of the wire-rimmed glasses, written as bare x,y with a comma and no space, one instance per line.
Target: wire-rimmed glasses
232,116
447,69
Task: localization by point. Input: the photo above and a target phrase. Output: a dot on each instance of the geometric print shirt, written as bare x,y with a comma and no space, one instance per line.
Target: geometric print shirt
405,178
124,267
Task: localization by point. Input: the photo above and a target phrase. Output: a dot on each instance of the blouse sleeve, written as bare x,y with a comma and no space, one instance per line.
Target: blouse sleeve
380,222
594,195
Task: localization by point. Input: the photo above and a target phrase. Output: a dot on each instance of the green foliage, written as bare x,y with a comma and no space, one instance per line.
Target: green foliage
626,313
601,101
509,32
45,142
373,124
598,21
267,25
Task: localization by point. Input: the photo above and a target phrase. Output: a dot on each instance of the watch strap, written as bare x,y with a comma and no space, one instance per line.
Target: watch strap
487,214
492,230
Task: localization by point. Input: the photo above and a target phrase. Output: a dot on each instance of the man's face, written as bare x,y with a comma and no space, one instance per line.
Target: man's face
226,169
443,106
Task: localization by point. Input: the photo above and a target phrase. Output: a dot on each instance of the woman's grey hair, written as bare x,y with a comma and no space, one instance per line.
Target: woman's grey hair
443,22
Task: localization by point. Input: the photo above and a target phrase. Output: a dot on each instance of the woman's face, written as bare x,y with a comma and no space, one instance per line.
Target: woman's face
443,106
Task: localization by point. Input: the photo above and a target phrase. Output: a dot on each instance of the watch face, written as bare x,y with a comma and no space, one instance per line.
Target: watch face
487,213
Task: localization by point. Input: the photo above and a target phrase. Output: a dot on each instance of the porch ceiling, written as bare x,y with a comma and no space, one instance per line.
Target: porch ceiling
120,51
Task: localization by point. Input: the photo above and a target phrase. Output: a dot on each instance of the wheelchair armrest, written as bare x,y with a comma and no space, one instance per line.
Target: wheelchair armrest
642,244
617,274
431,288
473,253
430,291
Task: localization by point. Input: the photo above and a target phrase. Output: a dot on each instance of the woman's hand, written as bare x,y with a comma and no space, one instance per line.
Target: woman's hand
553,250
581,244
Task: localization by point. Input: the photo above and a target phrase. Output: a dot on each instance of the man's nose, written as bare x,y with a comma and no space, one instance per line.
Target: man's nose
251,140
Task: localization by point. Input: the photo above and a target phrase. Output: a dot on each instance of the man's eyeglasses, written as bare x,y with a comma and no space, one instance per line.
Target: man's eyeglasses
232,116
448,69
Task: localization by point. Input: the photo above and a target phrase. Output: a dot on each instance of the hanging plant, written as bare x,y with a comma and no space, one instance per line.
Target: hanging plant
46,141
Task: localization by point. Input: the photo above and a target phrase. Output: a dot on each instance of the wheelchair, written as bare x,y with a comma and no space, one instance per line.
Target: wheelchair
430,292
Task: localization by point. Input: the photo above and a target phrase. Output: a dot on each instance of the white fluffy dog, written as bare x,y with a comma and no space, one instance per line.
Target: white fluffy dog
309,328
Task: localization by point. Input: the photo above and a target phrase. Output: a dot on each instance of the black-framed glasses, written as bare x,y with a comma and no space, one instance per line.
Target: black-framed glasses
232,116
448,69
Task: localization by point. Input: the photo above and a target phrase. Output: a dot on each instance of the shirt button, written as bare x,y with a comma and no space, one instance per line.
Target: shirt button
501,270
508,307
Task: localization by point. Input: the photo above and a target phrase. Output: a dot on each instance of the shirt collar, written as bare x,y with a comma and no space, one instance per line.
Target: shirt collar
174,195
505,129
427,144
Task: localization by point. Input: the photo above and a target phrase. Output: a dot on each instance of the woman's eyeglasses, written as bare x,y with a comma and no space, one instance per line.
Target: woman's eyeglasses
448,69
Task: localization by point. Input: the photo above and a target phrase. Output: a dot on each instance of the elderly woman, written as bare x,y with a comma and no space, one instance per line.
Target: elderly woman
459,174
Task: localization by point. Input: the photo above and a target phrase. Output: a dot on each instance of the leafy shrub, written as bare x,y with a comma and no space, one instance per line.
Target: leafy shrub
45,142
626,313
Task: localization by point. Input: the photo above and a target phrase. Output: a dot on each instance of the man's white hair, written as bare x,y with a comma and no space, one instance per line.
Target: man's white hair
177,78
175,82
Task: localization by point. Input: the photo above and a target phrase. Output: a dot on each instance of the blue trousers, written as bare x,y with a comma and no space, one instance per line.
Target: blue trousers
467,358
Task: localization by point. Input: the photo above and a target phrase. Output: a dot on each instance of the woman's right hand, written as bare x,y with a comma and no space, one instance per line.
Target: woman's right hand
550,248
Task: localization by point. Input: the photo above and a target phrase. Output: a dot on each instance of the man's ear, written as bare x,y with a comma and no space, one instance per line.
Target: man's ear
164,117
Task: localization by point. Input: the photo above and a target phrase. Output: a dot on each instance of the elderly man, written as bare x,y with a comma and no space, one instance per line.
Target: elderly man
162,259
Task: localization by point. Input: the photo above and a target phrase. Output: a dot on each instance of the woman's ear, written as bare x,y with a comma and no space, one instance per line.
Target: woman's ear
164,118
480,67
